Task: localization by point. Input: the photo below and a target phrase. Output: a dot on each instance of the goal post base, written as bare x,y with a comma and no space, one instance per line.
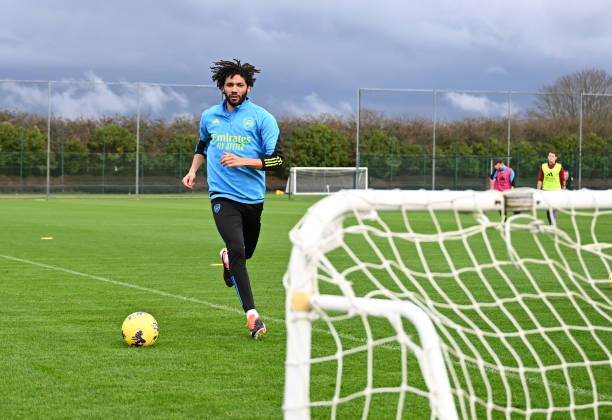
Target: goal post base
430,357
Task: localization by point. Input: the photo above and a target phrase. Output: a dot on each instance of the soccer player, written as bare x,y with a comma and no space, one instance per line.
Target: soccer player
502,178
239,141
550,178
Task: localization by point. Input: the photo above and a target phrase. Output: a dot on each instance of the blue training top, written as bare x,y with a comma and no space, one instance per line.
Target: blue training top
249,131
503,172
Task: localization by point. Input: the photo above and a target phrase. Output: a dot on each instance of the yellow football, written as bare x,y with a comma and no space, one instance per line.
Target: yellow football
140,329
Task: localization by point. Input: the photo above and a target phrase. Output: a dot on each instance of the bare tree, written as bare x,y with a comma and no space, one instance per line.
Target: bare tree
561,100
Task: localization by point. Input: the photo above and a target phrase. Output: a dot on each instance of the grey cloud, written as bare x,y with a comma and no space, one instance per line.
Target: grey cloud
93,99
479,105
329,48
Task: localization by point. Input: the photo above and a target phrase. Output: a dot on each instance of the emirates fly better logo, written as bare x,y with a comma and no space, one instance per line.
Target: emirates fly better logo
229,142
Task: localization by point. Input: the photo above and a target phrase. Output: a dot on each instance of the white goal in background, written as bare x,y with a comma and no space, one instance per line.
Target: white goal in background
427,304
326,180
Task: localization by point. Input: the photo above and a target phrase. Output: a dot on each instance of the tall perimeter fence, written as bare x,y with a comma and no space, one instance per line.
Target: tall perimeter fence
436,139
98,137
92,136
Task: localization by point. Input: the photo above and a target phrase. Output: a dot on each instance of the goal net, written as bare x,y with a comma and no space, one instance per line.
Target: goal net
451,304
326,180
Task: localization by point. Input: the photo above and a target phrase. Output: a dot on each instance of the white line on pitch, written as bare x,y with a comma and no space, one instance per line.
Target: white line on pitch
158,292
230,309
133,286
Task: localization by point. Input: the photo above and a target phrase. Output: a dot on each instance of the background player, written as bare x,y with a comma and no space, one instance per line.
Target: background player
550,178
502,178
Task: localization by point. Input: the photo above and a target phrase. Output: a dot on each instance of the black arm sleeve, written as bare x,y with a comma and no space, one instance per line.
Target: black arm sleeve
275,160
200,148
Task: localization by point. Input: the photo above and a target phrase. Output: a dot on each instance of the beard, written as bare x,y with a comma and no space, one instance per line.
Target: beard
241,99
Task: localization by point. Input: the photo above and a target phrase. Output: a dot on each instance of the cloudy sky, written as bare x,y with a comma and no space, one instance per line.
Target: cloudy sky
313,54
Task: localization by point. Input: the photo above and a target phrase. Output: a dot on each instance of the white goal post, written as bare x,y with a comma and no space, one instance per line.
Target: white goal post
325,180
450,304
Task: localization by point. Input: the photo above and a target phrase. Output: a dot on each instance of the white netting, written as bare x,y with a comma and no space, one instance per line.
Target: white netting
325,180
523,309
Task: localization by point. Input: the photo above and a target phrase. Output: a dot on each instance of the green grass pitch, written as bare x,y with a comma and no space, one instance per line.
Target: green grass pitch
63,300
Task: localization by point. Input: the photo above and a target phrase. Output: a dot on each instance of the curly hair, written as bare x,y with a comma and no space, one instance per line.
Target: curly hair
223,69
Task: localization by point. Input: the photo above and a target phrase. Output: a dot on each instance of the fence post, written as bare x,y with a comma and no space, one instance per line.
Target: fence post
137,138
325,149
605,159
573,162
21,161
424,160
103,158
290,149
48,138
180,159
357,162
456,162
488,154
291,159
518,161
62,154
509,124
433,147
142,170
580,141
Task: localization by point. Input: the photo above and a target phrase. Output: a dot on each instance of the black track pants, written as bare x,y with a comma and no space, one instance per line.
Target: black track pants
239,225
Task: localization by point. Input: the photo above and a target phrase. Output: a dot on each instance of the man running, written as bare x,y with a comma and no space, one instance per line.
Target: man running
239,141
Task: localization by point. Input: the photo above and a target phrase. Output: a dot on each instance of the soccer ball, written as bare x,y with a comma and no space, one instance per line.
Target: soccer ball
140,329
610,279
